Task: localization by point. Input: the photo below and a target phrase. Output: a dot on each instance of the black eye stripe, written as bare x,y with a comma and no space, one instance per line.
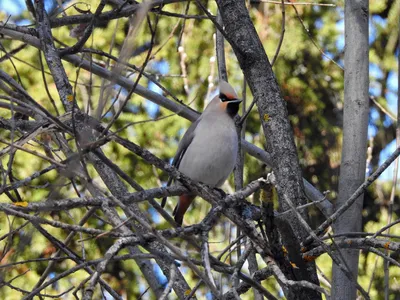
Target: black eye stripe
224,98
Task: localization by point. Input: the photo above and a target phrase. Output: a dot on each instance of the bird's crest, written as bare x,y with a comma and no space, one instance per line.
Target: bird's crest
226,91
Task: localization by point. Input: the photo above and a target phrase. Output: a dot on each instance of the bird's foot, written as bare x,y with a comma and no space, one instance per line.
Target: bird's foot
221,192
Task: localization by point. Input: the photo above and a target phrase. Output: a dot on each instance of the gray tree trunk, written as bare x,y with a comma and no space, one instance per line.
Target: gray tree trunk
242,36
356,107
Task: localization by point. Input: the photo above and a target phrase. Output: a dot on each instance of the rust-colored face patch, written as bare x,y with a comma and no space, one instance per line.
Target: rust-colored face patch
230,96
223,105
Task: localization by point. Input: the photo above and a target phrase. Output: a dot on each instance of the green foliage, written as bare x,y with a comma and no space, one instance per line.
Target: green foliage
311,84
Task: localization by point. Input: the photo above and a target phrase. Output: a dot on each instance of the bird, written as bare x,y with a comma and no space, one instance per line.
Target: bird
208,150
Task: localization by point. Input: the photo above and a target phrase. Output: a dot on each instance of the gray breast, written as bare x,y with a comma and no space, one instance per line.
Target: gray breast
211,156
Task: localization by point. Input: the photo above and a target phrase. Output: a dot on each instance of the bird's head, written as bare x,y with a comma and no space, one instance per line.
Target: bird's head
228,100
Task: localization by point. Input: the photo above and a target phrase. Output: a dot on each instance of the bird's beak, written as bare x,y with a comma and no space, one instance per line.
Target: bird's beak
235,101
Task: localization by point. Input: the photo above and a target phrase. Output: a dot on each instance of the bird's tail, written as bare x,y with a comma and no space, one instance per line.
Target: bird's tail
181,207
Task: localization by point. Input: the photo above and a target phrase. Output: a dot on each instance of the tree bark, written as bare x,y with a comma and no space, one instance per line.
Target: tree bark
242,36
355,127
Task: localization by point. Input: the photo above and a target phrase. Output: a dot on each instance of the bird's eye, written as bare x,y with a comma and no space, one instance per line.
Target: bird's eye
223,98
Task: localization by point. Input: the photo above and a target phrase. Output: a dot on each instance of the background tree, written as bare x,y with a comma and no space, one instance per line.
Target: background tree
355,127
94,99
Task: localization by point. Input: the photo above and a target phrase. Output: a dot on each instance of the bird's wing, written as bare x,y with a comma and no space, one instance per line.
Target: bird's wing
184,143
182,147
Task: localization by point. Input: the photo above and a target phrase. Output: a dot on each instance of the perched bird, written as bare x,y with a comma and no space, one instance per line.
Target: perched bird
208,150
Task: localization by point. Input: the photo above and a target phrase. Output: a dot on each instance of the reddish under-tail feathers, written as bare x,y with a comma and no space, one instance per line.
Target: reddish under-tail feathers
182,206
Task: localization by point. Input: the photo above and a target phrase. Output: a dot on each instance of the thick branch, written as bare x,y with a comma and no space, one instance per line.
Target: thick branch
242,36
